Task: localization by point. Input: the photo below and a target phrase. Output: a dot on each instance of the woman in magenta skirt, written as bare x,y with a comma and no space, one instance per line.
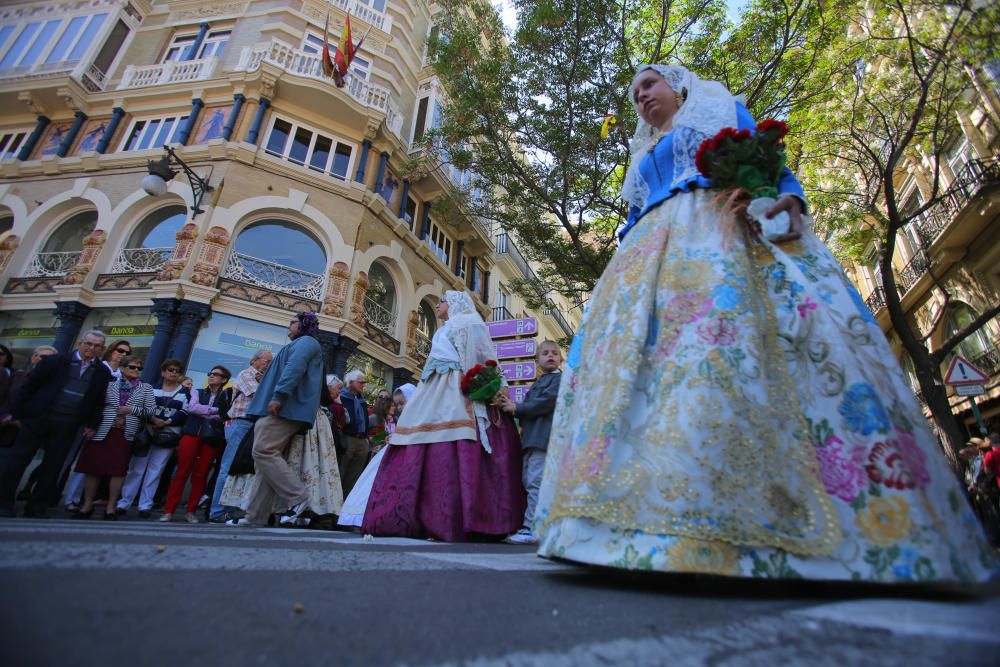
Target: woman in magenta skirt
129,402
452,470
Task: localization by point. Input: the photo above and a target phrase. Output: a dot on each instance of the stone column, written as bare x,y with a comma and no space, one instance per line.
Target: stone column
227,130
401,376
336,290
192,53
190,316
74,130
258,120
366,146
71,315
29,144
383,162
345,348
329,342
109,132
165,311
196,106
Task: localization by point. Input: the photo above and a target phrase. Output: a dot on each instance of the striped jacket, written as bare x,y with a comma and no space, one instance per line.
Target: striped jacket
142,403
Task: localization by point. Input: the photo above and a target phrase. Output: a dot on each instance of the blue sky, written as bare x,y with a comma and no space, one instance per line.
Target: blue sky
507,10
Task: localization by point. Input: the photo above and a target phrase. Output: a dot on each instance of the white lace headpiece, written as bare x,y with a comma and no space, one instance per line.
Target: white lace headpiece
706,107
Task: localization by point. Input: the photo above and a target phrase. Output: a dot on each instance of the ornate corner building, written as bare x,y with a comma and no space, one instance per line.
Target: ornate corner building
955,244
314,203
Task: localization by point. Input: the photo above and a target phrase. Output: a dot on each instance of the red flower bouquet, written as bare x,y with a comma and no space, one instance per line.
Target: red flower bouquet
749,167
482,382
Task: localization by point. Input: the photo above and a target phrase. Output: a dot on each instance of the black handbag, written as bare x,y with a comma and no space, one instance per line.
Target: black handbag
243,459
161,437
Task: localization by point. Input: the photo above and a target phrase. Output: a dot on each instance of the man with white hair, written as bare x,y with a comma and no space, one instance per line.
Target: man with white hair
62,393
244,387
355,433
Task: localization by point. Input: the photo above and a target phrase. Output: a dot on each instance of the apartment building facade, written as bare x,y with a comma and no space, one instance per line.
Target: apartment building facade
315,197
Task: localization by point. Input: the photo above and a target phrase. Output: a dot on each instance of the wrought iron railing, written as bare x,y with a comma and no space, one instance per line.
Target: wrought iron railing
912,271
422,347
380,317
501,313
557,315
141,260
505,246
876,300
52,264
969,180
270,275
988,362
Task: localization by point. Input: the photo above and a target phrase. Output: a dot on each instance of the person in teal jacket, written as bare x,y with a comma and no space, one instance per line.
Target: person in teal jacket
285,404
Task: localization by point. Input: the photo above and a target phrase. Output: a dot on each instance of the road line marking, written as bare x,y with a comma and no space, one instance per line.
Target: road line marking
513,562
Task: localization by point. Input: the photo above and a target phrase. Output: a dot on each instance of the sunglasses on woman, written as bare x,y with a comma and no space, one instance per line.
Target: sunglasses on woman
133,367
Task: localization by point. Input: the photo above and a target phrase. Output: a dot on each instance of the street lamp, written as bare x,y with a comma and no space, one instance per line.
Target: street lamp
155,182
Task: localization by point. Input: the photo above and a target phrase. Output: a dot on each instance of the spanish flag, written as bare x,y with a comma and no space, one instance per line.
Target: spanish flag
344,55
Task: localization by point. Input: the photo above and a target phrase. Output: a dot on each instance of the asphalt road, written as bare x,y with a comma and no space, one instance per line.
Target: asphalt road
146,594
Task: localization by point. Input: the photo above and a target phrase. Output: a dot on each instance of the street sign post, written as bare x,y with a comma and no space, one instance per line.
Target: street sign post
968,381
961,371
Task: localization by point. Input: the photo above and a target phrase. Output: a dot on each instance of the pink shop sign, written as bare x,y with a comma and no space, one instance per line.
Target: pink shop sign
526,326
523,370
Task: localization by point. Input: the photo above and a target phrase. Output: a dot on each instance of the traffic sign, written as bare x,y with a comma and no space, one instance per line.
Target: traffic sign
961,371
970,390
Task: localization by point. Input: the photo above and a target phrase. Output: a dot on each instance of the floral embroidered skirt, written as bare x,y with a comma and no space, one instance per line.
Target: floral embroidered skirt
733,408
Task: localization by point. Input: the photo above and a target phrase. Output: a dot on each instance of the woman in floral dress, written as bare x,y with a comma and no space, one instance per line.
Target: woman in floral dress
729,405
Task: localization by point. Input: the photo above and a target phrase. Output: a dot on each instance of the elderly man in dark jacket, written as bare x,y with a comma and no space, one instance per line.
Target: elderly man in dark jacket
62,393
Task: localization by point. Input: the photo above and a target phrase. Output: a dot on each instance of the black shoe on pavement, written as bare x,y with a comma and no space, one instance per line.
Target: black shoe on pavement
145,514
110,516
120,512
33,512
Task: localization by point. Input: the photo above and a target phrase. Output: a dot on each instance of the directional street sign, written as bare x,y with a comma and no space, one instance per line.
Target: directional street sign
961,371
526,326
970,389
519,391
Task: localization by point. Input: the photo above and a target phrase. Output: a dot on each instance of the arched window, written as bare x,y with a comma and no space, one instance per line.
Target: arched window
976,346
64,246
6,223
427,322
380,300
426,326
152,241
158,229
68,237
281,256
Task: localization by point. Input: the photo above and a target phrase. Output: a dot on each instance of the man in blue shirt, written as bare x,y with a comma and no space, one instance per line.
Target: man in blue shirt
284,405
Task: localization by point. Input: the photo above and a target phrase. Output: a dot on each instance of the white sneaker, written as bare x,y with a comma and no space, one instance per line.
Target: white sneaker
523,536
244,522
295,511
190,518
166,517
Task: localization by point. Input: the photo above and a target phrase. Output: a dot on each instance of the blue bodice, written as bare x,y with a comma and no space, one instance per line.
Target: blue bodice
657,168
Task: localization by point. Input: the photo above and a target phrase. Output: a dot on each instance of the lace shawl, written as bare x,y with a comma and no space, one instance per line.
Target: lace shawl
706,107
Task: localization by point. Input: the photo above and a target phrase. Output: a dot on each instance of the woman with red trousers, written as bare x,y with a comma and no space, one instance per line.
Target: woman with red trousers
201,442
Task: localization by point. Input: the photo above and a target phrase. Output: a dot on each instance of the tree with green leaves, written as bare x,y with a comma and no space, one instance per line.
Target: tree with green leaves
888,97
